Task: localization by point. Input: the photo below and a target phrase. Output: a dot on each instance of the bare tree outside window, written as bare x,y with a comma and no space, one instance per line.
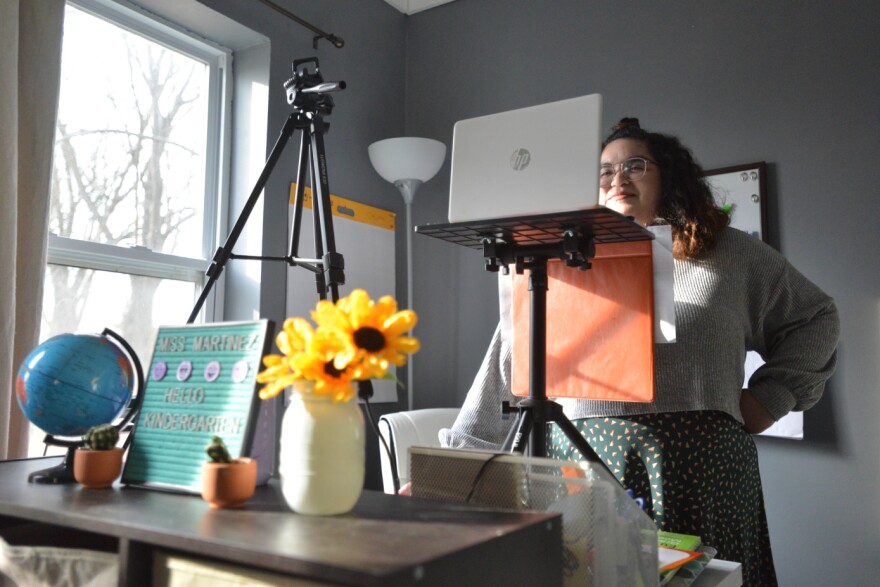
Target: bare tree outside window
129,173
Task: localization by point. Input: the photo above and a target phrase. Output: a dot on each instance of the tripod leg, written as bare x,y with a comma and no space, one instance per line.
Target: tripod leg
223,254
518,438
317,230
538,440
295,231
334,265
300,191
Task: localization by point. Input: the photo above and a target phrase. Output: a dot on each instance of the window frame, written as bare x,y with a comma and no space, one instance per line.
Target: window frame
140,260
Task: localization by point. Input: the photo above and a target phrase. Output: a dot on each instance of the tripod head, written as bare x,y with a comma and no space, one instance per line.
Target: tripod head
308,91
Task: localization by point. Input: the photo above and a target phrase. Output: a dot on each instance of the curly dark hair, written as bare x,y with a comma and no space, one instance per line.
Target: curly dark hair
686,201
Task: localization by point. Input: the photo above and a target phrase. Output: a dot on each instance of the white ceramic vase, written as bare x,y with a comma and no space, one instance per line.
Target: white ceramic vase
322,453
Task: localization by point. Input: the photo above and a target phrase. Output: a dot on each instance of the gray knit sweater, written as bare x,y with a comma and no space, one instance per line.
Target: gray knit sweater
743,295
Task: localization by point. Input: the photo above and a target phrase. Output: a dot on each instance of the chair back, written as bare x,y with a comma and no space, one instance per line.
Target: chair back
402,430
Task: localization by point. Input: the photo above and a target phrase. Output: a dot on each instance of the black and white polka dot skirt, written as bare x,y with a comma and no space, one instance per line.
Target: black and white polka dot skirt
698,474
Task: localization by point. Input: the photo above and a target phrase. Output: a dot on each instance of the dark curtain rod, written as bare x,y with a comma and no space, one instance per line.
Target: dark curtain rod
337,42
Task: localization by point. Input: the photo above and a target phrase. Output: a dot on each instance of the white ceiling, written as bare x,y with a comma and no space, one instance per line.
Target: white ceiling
413,6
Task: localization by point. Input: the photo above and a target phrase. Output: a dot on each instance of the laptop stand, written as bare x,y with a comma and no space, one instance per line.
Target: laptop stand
528,243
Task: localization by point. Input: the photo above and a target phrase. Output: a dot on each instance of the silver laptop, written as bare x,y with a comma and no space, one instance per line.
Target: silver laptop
536,160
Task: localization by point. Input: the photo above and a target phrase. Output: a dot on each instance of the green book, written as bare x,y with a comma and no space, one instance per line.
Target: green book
679,541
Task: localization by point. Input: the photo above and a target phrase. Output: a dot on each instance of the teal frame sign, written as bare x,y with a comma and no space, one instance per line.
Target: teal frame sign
201,383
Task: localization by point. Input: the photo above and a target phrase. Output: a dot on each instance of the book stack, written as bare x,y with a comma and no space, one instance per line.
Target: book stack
682,558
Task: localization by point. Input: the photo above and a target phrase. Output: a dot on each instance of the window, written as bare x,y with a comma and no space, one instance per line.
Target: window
138,170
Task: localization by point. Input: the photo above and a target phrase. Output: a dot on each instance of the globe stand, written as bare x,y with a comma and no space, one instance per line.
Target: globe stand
63,472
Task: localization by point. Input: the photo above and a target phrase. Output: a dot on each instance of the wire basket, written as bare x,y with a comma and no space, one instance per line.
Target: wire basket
607,538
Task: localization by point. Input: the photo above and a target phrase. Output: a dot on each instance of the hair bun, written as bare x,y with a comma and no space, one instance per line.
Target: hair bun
626,124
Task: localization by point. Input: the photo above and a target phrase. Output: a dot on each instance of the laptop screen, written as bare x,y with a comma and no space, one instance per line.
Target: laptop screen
537,160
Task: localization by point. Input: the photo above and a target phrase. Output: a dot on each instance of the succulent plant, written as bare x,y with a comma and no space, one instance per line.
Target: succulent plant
217,451
102,437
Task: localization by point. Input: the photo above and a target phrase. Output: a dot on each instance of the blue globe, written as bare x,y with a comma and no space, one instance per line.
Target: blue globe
72,382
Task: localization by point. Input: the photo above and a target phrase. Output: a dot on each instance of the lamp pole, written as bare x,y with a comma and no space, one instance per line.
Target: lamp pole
408,189
416,160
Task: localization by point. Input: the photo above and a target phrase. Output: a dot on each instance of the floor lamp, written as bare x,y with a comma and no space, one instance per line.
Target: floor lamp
407,162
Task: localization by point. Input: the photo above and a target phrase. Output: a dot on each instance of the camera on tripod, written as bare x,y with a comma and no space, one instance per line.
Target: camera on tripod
308,91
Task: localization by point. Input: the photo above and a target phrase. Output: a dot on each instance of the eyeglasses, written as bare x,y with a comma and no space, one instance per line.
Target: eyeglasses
633,169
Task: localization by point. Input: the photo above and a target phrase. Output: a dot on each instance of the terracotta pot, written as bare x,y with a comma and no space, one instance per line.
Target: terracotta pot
97,468
229,485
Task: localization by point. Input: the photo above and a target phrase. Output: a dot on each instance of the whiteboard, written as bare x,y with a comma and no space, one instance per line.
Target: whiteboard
740,190
364,237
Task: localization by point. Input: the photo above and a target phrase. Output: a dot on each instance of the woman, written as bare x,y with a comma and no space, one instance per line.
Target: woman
689,453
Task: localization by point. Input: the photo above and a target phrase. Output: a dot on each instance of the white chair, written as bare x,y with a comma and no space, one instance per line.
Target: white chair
402,430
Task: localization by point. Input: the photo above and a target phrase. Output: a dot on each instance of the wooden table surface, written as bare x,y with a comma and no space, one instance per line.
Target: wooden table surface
385,540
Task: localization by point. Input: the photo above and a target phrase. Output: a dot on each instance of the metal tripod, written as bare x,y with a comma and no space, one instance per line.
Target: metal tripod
536,411
528,242
307,92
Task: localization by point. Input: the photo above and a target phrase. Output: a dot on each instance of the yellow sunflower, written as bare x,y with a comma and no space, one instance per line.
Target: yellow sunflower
373,333
328,380
281,370
355,339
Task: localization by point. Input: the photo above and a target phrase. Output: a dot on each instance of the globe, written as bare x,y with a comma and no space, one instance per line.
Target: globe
72,382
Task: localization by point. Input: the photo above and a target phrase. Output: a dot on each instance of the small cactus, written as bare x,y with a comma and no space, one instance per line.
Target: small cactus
102,437
217,451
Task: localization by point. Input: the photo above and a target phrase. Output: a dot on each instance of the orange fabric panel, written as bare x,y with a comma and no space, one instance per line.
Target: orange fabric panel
600,327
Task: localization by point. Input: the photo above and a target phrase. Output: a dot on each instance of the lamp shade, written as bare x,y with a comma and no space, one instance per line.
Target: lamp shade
407,158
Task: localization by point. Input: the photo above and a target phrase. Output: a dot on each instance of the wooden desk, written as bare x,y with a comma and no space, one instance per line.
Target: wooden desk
385,540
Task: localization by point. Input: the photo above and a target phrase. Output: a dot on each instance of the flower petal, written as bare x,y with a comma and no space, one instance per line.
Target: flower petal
272,360
407,344
399,323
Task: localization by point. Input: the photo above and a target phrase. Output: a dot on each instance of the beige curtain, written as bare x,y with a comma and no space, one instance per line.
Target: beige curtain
30,62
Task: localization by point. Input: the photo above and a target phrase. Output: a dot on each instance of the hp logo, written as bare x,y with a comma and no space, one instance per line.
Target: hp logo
520,159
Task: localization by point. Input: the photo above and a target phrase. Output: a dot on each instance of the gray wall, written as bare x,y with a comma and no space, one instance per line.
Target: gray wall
371,108
791,83
794,84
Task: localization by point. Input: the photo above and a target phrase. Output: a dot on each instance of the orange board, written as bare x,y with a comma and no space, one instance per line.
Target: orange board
600,327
